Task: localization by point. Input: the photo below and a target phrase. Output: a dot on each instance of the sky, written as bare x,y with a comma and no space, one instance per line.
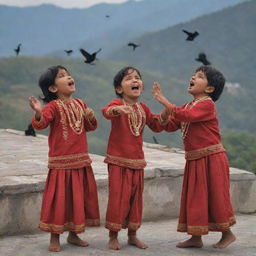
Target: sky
61,3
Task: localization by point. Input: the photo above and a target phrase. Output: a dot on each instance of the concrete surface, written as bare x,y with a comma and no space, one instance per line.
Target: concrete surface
161,236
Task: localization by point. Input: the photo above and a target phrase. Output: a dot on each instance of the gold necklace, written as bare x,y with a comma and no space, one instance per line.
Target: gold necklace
75,115
136,119
185,125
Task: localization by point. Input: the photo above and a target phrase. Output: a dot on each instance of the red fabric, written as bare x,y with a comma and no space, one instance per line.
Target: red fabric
205,200
70,201
125,198
203,129
67,149
122,143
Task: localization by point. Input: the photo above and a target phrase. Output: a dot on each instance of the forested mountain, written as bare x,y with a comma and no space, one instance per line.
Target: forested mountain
48,30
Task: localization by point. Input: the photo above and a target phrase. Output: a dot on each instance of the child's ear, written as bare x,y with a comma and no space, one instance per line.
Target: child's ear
119,90
209,89
52,89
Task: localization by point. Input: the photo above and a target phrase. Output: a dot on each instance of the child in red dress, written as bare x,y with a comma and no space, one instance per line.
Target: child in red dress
125,156
70,200
205,199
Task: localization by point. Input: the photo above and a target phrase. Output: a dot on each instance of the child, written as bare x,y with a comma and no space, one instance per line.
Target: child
70,200
205,200
125,156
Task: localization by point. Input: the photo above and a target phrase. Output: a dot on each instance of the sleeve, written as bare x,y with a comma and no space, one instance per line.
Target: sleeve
90,121
154,122
48,114
108,112
172,125
202,111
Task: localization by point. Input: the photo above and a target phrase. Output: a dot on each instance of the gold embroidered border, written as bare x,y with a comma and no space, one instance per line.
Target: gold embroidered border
69,160
200,230
110,111
69,226
199,153
125,162
118,227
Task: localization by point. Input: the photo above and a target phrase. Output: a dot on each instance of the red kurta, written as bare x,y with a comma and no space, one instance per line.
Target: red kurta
205,200
70,200
125,158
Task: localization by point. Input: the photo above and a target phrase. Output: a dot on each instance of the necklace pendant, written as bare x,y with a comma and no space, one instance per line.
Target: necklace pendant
77,124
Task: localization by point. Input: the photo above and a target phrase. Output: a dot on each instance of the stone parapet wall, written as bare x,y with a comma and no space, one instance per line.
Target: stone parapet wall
23,170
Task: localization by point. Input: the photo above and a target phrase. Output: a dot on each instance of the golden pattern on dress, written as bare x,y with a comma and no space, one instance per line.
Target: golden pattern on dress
72,115
185,125
136,119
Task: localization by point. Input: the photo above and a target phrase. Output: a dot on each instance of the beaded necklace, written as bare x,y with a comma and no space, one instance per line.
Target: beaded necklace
75,115
185,125
136,119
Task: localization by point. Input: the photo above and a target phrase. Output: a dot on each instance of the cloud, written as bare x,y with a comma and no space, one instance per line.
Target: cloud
61,3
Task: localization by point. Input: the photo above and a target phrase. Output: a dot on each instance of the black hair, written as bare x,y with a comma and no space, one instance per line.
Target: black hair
120,76
46,80
215,79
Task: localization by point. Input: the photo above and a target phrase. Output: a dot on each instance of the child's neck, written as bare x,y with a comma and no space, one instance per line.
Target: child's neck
201,96
130,100
64,98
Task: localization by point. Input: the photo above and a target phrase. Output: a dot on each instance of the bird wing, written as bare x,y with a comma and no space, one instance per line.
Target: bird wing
85,53
185,31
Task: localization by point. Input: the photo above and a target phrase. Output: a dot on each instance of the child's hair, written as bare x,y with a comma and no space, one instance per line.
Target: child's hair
215,79
46,80
120,76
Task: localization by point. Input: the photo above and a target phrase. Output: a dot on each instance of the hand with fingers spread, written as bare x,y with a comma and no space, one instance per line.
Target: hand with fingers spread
35,104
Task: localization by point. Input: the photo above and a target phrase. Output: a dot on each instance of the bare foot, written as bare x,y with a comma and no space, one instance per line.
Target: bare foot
133,240
54,243
113,244
74,239
227,238
194,241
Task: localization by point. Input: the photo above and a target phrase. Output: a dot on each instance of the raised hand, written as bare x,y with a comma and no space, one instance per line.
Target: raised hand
89,113
35,104
158,94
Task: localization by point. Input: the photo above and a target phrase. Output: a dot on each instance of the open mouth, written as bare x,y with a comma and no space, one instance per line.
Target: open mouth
135,87
71,83
191,84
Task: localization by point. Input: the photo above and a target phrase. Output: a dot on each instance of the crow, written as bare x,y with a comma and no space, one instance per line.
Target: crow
17,50
68,52
30,131
191,36
89,57
202,58
133,45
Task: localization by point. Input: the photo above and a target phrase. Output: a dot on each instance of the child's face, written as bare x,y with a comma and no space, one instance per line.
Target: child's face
64,84
131,86
198,85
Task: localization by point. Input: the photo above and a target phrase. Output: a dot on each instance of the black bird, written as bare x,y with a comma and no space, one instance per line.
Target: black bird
202,58
68,52
133,45
107,16
155,140
191,36
17,50
30,131
89,57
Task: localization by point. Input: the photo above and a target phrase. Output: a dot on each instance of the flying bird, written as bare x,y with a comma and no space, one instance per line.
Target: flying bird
17,50
89,57
202,58
107,16
133,45
191,35
155,140
30,131
68,52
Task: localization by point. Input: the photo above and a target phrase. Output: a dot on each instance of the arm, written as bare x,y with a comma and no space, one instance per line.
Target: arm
42,117
90,123
115,109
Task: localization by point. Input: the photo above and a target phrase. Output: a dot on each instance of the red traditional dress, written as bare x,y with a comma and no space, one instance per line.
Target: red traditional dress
205,199
125,158
70,200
